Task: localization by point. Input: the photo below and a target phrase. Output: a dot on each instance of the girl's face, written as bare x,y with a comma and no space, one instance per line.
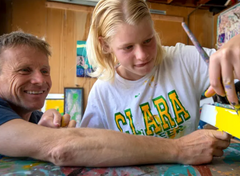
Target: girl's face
135,48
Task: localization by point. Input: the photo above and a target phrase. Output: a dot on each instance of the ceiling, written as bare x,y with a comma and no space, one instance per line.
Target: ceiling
213,5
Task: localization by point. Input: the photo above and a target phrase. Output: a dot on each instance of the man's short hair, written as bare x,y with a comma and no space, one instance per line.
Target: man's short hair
19,38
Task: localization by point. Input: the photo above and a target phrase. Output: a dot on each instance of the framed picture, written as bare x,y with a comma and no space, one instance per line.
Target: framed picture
73,103
54,101
83,66
228,24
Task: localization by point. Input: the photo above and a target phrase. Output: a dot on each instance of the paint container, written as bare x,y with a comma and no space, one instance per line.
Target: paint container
223,117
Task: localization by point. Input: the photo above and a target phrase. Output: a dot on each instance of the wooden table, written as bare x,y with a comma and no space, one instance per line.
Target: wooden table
229,164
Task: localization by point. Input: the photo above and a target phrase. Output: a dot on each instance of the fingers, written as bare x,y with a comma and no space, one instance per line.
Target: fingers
223,68
215,75
236,70
72,124
56,119
201,146
218,152
221,145
223,139
50,118
65,120
53,118
220,135
228,81
209,92
47,121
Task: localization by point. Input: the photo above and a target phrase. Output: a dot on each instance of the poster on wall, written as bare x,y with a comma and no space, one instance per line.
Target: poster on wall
83,66
54,101
73,103
228,24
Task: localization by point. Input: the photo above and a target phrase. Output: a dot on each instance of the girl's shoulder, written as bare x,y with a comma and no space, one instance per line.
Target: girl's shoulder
174,50
181,49
102,86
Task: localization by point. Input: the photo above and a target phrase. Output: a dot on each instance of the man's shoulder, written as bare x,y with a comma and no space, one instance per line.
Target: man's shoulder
6,112
36,116
37,113
3,103
4,106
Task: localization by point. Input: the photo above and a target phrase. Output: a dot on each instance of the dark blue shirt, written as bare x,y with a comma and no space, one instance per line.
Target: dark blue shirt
6,113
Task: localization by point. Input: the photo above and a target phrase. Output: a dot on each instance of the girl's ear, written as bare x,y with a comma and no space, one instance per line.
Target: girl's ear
105,47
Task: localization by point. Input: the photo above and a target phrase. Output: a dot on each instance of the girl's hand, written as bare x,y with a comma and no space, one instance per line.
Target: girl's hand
224,67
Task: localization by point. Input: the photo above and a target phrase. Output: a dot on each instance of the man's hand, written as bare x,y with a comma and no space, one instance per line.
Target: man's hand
201,146
52,118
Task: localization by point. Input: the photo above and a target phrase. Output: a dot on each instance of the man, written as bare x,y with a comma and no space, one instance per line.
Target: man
25,78
25,82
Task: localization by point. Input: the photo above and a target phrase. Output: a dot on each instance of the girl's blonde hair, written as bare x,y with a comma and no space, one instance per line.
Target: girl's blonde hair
106,17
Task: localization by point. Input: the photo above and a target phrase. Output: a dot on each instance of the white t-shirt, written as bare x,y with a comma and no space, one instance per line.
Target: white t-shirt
163,103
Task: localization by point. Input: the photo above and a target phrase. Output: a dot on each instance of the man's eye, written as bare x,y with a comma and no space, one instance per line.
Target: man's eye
25,70
45,72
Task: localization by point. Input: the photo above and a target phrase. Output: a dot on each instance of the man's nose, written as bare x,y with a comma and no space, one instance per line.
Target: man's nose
37,78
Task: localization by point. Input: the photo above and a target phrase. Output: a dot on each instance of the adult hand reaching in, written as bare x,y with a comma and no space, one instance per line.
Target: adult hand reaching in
52,118
201,146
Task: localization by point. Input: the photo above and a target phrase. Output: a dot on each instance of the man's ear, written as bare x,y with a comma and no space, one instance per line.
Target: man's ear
105,47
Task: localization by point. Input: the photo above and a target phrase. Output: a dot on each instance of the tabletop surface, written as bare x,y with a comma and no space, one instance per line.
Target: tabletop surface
228,164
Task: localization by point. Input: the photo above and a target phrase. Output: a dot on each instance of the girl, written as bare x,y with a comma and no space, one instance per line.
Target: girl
144,88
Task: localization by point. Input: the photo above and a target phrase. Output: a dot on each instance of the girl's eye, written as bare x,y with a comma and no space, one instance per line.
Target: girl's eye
147,41
128,47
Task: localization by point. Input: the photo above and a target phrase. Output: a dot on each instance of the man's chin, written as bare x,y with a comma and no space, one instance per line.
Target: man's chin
34,107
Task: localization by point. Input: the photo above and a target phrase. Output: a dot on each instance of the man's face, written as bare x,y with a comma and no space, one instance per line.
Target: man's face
25,78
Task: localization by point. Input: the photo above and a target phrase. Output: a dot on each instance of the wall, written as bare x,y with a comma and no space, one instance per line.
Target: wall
63,25
200,23
5,16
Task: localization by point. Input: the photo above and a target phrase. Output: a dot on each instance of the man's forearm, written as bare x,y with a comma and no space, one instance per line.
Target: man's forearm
97,147
83,146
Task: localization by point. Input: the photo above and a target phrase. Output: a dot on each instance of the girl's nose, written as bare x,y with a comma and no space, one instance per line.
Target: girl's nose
140,53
